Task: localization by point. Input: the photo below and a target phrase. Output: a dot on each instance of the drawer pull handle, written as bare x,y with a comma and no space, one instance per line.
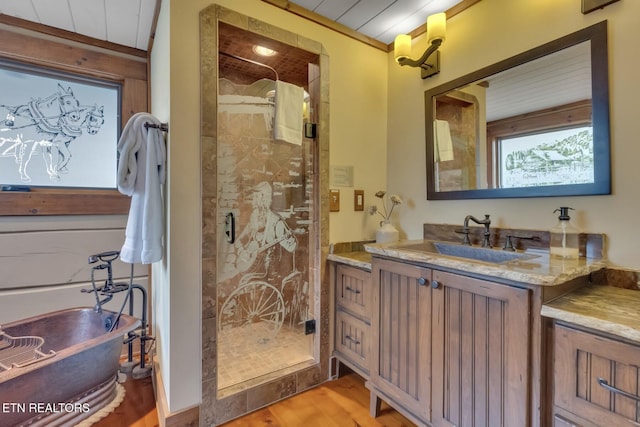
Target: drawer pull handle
353,340
435,284
603,383
355,291
422,281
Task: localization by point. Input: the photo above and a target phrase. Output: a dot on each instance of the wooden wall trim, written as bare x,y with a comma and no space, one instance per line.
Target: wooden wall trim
451,12
68,35
326,22
64,202
166,418
74,59
572,114
335,26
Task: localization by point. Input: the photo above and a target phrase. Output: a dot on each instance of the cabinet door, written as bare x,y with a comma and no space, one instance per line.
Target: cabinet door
353,290
480,352
352,340
401,342
596,377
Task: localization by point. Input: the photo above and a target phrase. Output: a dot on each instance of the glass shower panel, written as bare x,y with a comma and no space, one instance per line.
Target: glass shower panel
265,194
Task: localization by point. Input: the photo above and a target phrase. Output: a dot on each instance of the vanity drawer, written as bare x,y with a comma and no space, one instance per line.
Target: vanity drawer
353,291
596,378
352,339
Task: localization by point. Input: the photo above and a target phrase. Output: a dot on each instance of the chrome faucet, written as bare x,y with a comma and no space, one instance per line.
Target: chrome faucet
465,230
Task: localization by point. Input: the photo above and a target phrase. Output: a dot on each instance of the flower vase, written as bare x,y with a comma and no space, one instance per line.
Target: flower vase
387,233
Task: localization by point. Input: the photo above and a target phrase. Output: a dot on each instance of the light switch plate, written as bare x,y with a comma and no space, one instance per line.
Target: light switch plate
358,200
334,200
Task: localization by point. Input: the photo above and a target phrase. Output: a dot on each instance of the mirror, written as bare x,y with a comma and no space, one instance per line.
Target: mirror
533,125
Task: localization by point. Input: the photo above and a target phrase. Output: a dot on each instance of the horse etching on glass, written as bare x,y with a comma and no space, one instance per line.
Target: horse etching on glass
47,126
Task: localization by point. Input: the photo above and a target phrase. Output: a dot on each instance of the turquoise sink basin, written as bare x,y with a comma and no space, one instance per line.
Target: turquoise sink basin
494,256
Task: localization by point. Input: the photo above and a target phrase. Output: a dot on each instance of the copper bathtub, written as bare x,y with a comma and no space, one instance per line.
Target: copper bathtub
76,375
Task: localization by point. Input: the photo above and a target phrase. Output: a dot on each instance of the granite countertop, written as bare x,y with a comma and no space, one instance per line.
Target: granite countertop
541,269
607,309
359,259
601,308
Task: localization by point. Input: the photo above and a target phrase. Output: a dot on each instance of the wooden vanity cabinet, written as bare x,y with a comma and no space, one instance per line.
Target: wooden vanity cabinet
596,380
481,349
401,339
448,349
352,332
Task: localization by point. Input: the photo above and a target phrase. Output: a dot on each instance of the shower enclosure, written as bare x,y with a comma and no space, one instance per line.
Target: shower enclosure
265,207
265,217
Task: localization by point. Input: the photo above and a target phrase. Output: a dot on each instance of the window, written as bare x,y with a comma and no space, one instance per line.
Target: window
57,129
555,157
542,148
109,64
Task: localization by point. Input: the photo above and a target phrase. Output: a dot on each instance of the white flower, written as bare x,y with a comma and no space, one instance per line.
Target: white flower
395,200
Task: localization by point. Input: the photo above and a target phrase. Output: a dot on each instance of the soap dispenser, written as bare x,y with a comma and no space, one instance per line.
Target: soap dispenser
564,237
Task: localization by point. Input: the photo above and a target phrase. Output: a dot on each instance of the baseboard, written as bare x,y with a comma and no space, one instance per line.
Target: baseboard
186,418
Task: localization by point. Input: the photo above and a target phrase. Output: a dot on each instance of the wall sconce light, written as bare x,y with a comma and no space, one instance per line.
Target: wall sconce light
436,29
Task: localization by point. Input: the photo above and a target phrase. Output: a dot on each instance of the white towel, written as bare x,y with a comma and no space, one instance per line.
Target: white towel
442,136
141,173
288,116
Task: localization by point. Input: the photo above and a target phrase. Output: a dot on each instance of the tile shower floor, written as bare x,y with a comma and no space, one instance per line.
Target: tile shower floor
249,352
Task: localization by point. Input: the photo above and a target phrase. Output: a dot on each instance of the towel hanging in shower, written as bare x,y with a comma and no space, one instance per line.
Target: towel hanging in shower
288,115
141,173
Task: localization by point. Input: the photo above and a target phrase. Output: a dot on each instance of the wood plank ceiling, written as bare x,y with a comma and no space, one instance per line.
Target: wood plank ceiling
129,22
379,19
123,22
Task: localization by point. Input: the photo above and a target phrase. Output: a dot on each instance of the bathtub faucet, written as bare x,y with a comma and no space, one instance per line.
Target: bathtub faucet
109,288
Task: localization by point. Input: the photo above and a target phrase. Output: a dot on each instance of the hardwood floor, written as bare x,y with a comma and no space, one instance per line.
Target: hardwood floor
138,408
340,403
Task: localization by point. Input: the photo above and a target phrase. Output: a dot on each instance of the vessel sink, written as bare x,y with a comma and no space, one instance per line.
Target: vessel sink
457,250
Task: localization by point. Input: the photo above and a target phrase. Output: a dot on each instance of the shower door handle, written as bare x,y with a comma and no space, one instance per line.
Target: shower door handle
230,227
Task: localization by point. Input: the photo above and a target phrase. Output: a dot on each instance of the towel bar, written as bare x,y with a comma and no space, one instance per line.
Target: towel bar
164,127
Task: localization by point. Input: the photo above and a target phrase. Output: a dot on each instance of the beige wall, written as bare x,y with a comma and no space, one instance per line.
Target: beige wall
493,30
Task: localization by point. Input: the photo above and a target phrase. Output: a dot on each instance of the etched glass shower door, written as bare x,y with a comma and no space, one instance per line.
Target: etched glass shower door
265,202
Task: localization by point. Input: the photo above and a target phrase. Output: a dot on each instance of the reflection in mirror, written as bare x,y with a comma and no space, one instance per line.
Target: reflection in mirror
532,125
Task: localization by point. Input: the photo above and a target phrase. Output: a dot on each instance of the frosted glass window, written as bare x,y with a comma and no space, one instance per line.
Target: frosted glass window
557,157
56,129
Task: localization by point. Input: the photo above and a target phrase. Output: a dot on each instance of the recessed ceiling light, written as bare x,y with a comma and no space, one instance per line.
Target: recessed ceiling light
263,51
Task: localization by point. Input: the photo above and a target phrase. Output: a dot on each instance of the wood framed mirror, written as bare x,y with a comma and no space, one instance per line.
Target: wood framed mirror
533,125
